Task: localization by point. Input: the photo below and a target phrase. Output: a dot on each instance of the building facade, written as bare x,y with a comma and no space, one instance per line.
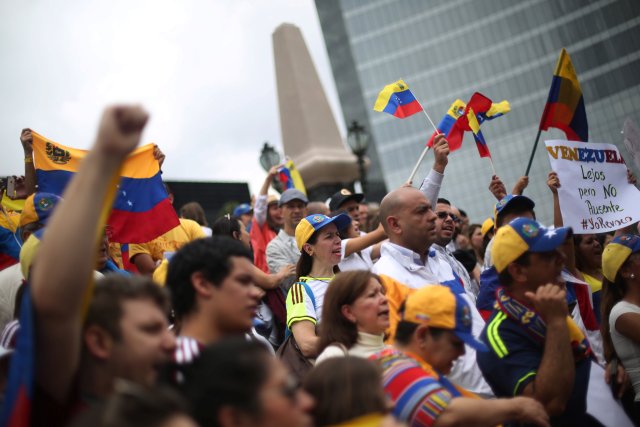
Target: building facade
450,49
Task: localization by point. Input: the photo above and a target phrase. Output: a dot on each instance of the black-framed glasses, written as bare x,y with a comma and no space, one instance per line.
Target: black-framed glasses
443,215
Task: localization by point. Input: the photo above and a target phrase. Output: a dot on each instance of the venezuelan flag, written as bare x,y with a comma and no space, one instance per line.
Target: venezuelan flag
450,127
457,121
289,176
481,144
141,211
565,106
396,99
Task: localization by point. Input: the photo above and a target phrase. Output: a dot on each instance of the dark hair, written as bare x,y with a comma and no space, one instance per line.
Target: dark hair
405,331
345,388
467,258
344,289
443,201
105,309
612,293
472,229
305,262
463,213
230,373
226,226
193,211
133,405
516,208
210,256
505,278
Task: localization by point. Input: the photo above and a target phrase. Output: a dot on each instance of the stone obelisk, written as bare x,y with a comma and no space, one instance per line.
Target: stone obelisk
310,135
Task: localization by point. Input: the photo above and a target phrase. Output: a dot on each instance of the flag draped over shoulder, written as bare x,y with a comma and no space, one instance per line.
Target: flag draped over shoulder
463,117
565,106
141,211
396,99
289,176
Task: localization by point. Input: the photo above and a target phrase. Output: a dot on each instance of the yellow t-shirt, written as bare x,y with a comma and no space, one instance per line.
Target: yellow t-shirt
170,241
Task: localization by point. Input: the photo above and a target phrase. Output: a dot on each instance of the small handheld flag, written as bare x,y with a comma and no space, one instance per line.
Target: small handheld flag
450,127
457,121
565,106
289,176
396,99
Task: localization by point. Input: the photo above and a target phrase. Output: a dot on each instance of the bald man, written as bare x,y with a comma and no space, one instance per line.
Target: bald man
407,263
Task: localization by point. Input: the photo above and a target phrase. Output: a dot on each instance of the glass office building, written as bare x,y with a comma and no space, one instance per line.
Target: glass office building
505,49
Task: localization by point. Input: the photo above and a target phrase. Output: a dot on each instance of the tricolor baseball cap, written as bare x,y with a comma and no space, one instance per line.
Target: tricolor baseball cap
438,307
339,198
313,223
616,253
511,201
38,207
525,235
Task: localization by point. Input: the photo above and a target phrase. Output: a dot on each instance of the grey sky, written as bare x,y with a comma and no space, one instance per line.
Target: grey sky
203,69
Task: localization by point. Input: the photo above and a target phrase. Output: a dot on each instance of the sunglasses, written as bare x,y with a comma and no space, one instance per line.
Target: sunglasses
444,215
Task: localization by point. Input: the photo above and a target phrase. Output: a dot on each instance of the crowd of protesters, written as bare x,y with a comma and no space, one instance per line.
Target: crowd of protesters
294,312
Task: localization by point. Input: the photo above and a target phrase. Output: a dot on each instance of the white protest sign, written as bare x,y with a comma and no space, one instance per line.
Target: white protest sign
594,193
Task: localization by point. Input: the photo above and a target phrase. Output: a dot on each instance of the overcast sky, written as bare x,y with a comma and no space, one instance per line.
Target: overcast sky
202,68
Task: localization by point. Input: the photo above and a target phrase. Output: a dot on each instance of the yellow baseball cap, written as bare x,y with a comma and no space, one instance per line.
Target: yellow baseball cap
38,207
616,253
438,307
487,226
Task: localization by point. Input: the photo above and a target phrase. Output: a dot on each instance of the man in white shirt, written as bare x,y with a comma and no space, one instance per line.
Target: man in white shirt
407,263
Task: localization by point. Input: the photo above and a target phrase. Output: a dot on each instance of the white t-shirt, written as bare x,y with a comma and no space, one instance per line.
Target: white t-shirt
366,346
628,350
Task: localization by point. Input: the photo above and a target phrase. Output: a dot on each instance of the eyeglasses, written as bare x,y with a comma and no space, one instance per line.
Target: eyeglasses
443,215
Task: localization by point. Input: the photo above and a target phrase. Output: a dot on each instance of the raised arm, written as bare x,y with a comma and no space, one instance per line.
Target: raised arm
431,184
30,180
553,182
64,264
357,244
260,206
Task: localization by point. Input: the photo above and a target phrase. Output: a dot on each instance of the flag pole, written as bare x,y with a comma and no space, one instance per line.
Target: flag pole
426,148
556,72
492,167
533,153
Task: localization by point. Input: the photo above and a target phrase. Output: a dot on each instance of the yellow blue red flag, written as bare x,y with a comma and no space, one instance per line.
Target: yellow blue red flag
290,177
565,105
396,99
141,210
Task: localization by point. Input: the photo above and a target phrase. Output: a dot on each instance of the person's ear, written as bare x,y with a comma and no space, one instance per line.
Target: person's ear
422,335
200,284
236,235
347,312
308,248
626,270
393,225
98,342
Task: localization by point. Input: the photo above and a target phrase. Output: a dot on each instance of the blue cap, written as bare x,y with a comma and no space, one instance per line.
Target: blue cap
242,209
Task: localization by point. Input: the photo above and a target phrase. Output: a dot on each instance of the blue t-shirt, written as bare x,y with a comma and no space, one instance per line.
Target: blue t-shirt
513,360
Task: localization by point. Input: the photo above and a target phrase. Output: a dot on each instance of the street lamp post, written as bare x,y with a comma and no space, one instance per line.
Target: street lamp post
269,157
358,139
